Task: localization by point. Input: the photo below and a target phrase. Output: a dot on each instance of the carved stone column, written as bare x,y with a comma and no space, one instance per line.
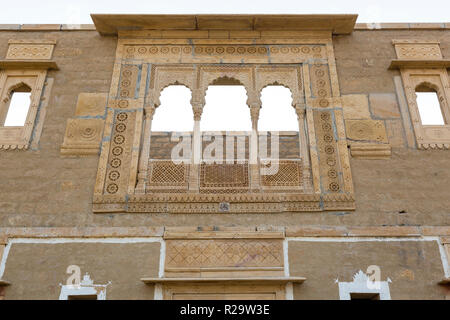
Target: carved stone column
197,102
145,150
255,105
300,109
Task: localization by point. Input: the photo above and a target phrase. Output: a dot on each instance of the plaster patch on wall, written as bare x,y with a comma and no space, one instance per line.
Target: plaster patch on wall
362,284
442,252
70,240
85,288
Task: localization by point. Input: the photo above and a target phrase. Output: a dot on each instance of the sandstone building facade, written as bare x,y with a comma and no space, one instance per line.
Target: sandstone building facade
93,205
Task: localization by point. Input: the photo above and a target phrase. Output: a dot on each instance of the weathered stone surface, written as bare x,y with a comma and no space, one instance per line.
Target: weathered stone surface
91,104
384,105
356,106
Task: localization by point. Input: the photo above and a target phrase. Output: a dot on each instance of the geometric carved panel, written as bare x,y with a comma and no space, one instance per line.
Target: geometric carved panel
167,176
82,136
30,49
417,50
282,174
223,177
224,253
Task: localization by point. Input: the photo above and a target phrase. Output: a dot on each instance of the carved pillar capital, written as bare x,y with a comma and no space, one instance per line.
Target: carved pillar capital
300,109
149,112
198,110
197,102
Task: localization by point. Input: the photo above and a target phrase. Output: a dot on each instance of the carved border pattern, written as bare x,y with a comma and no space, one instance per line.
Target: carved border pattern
152,51
327,148
119,153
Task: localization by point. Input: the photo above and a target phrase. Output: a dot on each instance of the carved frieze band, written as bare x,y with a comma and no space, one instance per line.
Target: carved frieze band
147,52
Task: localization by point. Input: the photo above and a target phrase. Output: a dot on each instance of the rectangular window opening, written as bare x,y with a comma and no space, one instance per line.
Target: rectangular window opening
364,296
83,297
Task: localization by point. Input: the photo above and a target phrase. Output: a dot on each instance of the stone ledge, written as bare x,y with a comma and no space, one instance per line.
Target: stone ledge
250,280
288,231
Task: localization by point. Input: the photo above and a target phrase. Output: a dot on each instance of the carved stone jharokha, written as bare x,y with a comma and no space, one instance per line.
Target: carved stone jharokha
128,180
25,69
422,66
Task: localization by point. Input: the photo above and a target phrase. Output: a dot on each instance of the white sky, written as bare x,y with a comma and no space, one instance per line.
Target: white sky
65,11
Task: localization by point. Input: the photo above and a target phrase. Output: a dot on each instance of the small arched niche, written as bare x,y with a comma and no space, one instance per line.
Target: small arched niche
18,104
428,104
172,122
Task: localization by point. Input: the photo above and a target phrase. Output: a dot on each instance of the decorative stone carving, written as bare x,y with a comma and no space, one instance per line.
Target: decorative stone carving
166,176
223,253
82,137
233,188
224,177
370,150
19,137
366,130
128,81
30,49
287,175
429,136
422,50
120,153
188,54
210,254
327,148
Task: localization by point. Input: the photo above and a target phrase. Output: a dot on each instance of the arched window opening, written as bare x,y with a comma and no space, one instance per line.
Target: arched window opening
429,106
226,109
278,124
175,112
172,125
277,113
18,107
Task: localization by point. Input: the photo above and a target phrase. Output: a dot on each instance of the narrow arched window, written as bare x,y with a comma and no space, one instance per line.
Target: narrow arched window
430,108
19,105
278,123
175,111
173,122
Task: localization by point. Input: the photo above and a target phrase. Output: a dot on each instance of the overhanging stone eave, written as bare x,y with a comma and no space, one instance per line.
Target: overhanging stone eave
111,24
